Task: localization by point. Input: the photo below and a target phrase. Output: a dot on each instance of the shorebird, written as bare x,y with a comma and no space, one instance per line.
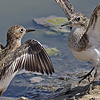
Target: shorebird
83,41
30,56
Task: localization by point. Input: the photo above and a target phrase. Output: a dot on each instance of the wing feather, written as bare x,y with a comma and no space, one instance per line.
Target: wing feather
93,30
30,56
66,7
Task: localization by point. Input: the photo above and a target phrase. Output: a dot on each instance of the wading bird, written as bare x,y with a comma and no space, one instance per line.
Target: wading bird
30,56
83,41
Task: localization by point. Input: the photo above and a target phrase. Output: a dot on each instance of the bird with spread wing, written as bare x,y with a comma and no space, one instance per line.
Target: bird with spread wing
83,41
30,56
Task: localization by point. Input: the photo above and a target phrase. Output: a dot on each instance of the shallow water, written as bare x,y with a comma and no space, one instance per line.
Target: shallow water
22,12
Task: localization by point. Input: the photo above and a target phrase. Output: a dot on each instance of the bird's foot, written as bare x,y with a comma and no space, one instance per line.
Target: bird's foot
85,76
91,87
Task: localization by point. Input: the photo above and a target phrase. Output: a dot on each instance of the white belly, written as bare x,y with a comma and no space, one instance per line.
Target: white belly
91,54
5,82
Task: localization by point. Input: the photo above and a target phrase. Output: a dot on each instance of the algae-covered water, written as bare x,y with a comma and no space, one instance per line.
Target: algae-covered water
23,12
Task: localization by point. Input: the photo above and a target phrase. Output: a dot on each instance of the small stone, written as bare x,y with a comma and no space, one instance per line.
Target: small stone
23,98
36,79
61,78
78,94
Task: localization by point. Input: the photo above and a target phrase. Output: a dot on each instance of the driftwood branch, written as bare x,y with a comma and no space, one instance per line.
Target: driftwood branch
66,7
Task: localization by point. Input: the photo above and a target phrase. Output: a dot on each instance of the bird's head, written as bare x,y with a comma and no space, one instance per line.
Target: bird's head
16,32
77,20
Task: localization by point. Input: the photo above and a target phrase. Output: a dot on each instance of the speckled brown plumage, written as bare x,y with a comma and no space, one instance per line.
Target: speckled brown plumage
83,41
30,56
66,7
78,39
94,16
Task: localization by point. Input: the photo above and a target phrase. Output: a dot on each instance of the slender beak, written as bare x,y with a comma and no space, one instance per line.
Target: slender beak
29,30
68,23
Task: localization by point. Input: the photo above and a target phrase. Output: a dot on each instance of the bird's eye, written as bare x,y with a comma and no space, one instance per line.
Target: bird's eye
21,30
78,19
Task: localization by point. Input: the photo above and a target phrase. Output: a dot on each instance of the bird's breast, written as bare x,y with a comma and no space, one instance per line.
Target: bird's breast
91,54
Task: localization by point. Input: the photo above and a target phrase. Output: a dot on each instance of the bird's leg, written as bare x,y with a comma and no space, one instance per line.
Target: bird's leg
87,75
95,75
91,84
1,93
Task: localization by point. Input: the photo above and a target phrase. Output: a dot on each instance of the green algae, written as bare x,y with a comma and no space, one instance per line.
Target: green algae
50,21
52,33
57,21
54,24
60,29
53,51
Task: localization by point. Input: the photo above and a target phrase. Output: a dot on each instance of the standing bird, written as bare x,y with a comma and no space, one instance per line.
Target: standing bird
30,56
83,41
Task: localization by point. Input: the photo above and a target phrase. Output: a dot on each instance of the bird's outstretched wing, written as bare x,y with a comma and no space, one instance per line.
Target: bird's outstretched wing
30,56
93,30
66,7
